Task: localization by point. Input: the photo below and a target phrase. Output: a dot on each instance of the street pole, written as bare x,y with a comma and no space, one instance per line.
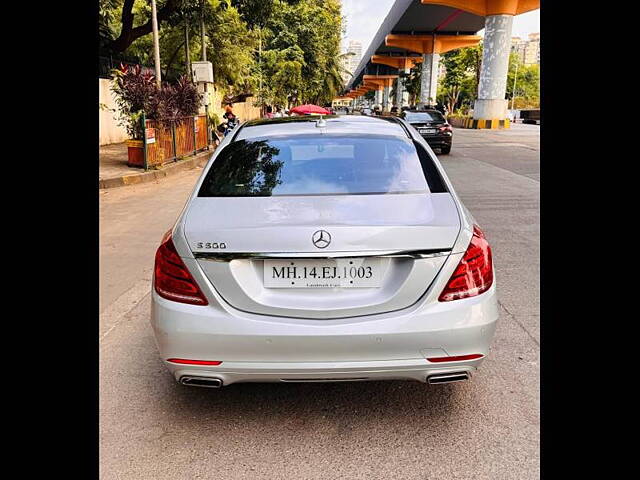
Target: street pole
202,39
260,65
186,49
513,93
204,59
156,42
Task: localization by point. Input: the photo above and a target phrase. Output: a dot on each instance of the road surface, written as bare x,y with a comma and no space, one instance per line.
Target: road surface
487,428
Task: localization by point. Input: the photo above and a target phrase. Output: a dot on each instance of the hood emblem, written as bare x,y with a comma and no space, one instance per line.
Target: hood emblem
321,239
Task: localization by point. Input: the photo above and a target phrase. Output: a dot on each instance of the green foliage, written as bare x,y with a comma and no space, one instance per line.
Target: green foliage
230,48
283,51
412,83
300,60
136,93
459,87
527,83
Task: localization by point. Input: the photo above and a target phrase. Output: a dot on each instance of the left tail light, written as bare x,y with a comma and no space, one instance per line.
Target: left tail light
474,273
172,280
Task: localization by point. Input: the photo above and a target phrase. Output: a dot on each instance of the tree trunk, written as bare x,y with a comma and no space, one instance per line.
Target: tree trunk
173,57
129,34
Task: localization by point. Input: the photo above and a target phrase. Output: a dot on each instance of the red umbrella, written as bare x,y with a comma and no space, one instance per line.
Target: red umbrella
305,109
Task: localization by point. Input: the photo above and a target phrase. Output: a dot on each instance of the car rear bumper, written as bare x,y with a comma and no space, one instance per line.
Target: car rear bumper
260,348
438,140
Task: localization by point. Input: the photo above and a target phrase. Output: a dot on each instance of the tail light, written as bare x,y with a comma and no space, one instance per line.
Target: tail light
457,358
184,361
474,273
172,280
446,128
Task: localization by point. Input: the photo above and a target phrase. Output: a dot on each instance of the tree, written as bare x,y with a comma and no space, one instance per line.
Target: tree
299,60
138,24
527,84
412,83
460,83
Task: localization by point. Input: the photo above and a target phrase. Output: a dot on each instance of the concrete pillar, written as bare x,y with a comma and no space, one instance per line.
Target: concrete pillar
429,79
402,96
405,96
378,98
386,98
492,88
397,101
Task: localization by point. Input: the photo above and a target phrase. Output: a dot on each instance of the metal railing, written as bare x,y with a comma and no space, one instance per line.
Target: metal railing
165,143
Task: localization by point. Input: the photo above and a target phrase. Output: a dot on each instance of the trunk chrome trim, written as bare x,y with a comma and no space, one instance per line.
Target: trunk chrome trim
228,256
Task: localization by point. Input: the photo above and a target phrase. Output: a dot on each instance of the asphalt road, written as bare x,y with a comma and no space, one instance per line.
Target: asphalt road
487,428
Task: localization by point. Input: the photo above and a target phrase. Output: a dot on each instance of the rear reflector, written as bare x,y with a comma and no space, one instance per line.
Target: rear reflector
184,361
474,273
458,358
172,280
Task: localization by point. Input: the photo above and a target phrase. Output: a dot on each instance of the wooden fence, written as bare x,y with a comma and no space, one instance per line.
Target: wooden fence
167,143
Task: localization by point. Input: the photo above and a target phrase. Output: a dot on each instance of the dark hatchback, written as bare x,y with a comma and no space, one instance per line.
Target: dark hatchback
432,126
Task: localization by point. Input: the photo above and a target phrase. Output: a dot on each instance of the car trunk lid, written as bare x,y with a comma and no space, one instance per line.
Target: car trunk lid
231,237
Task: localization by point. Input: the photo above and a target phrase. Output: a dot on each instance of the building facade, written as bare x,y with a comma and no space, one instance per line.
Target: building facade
528,51
353,60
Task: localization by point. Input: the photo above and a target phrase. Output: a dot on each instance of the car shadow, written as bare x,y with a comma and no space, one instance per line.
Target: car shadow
342,402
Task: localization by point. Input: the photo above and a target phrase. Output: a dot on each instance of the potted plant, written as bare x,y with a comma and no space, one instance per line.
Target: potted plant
136,93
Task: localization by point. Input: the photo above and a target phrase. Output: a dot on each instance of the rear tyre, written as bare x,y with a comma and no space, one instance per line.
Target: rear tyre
445,150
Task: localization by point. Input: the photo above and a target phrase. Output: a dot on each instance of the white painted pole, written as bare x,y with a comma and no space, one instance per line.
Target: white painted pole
156,42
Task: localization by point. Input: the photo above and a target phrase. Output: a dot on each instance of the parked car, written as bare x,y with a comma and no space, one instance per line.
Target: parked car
366,111
433,127
317,250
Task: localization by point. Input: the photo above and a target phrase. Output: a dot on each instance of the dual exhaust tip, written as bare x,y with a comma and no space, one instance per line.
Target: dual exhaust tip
448,377
205,382
208,382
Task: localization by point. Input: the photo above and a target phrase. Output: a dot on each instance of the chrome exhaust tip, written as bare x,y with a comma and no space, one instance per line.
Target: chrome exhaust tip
205,382
448,377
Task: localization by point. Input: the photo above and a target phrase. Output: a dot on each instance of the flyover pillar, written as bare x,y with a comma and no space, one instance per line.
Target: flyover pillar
386,99
430,46
491,103
429,79
404,64
490,109
378,96
399,91
382,85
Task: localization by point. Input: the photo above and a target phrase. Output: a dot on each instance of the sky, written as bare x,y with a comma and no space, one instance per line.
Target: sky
365,16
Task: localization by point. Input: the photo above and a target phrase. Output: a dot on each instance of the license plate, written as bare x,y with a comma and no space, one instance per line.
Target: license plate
427,130
323,273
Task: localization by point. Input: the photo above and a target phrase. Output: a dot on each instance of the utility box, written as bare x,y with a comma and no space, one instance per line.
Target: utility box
202,71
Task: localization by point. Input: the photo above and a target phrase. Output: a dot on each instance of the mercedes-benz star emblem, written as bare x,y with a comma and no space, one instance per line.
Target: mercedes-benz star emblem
321,239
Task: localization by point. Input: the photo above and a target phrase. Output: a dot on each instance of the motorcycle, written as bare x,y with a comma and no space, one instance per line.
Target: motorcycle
226,127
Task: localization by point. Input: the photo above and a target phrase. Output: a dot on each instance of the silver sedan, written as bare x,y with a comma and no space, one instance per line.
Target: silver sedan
323,249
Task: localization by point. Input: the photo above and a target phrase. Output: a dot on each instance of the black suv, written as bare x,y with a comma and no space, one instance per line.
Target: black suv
432,126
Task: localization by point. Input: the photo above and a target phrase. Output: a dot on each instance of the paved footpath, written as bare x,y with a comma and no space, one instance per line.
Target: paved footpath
487,428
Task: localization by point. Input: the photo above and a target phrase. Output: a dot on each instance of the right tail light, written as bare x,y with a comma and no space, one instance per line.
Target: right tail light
474,273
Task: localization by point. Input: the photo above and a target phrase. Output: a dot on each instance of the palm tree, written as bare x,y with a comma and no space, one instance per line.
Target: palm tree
333,81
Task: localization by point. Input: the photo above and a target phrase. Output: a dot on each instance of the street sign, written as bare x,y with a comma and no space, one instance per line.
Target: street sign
150,135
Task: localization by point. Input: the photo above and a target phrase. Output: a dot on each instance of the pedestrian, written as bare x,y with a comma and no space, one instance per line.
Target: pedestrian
228,110
278,113
269,113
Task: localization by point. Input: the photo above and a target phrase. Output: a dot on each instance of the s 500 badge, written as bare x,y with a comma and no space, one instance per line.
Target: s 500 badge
211,245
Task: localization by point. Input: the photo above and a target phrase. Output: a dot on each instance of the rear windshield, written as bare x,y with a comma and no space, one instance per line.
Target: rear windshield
318,165
423,117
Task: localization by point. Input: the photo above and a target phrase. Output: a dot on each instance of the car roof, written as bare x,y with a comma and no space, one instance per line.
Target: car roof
427,110
306,125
